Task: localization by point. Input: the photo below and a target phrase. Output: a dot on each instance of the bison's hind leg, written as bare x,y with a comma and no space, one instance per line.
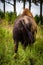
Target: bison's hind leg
25,44
15,46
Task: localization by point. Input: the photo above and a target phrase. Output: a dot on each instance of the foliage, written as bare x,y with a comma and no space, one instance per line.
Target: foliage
2,15
10,17
26,57
37,19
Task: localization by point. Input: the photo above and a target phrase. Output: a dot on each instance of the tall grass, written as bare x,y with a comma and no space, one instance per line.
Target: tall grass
35,57
8,17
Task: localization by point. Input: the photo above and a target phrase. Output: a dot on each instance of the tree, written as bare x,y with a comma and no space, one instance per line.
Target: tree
34,1
24,4
14,6
3,1
41,11
24,1
29,4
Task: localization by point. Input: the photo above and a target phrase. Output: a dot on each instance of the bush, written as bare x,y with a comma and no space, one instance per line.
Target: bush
37,19
10,17
2,16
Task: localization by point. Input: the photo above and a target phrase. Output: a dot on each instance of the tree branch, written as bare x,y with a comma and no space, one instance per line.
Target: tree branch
9,3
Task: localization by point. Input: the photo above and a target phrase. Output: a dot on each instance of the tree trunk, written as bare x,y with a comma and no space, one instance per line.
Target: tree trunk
35,1
29,4
3,1
41,11
14,6
23,4
4,6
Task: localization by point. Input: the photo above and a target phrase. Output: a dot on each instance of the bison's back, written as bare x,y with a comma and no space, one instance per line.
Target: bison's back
21,25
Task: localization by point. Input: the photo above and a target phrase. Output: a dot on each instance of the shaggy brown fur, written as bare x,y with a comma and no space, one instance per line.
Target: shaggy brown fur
24,29
27,12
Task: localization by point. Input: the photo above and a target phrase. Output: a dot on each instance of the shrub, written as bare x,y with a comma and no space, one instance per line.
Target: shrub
37,19
2,16
10,17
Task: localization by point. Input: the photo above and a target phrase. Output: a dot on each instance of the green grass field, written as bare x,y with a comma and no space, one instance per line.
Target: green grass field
35,57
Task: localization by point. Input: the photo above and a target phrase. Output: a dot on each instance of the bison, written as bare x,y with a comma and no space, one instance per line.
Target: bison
24,29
